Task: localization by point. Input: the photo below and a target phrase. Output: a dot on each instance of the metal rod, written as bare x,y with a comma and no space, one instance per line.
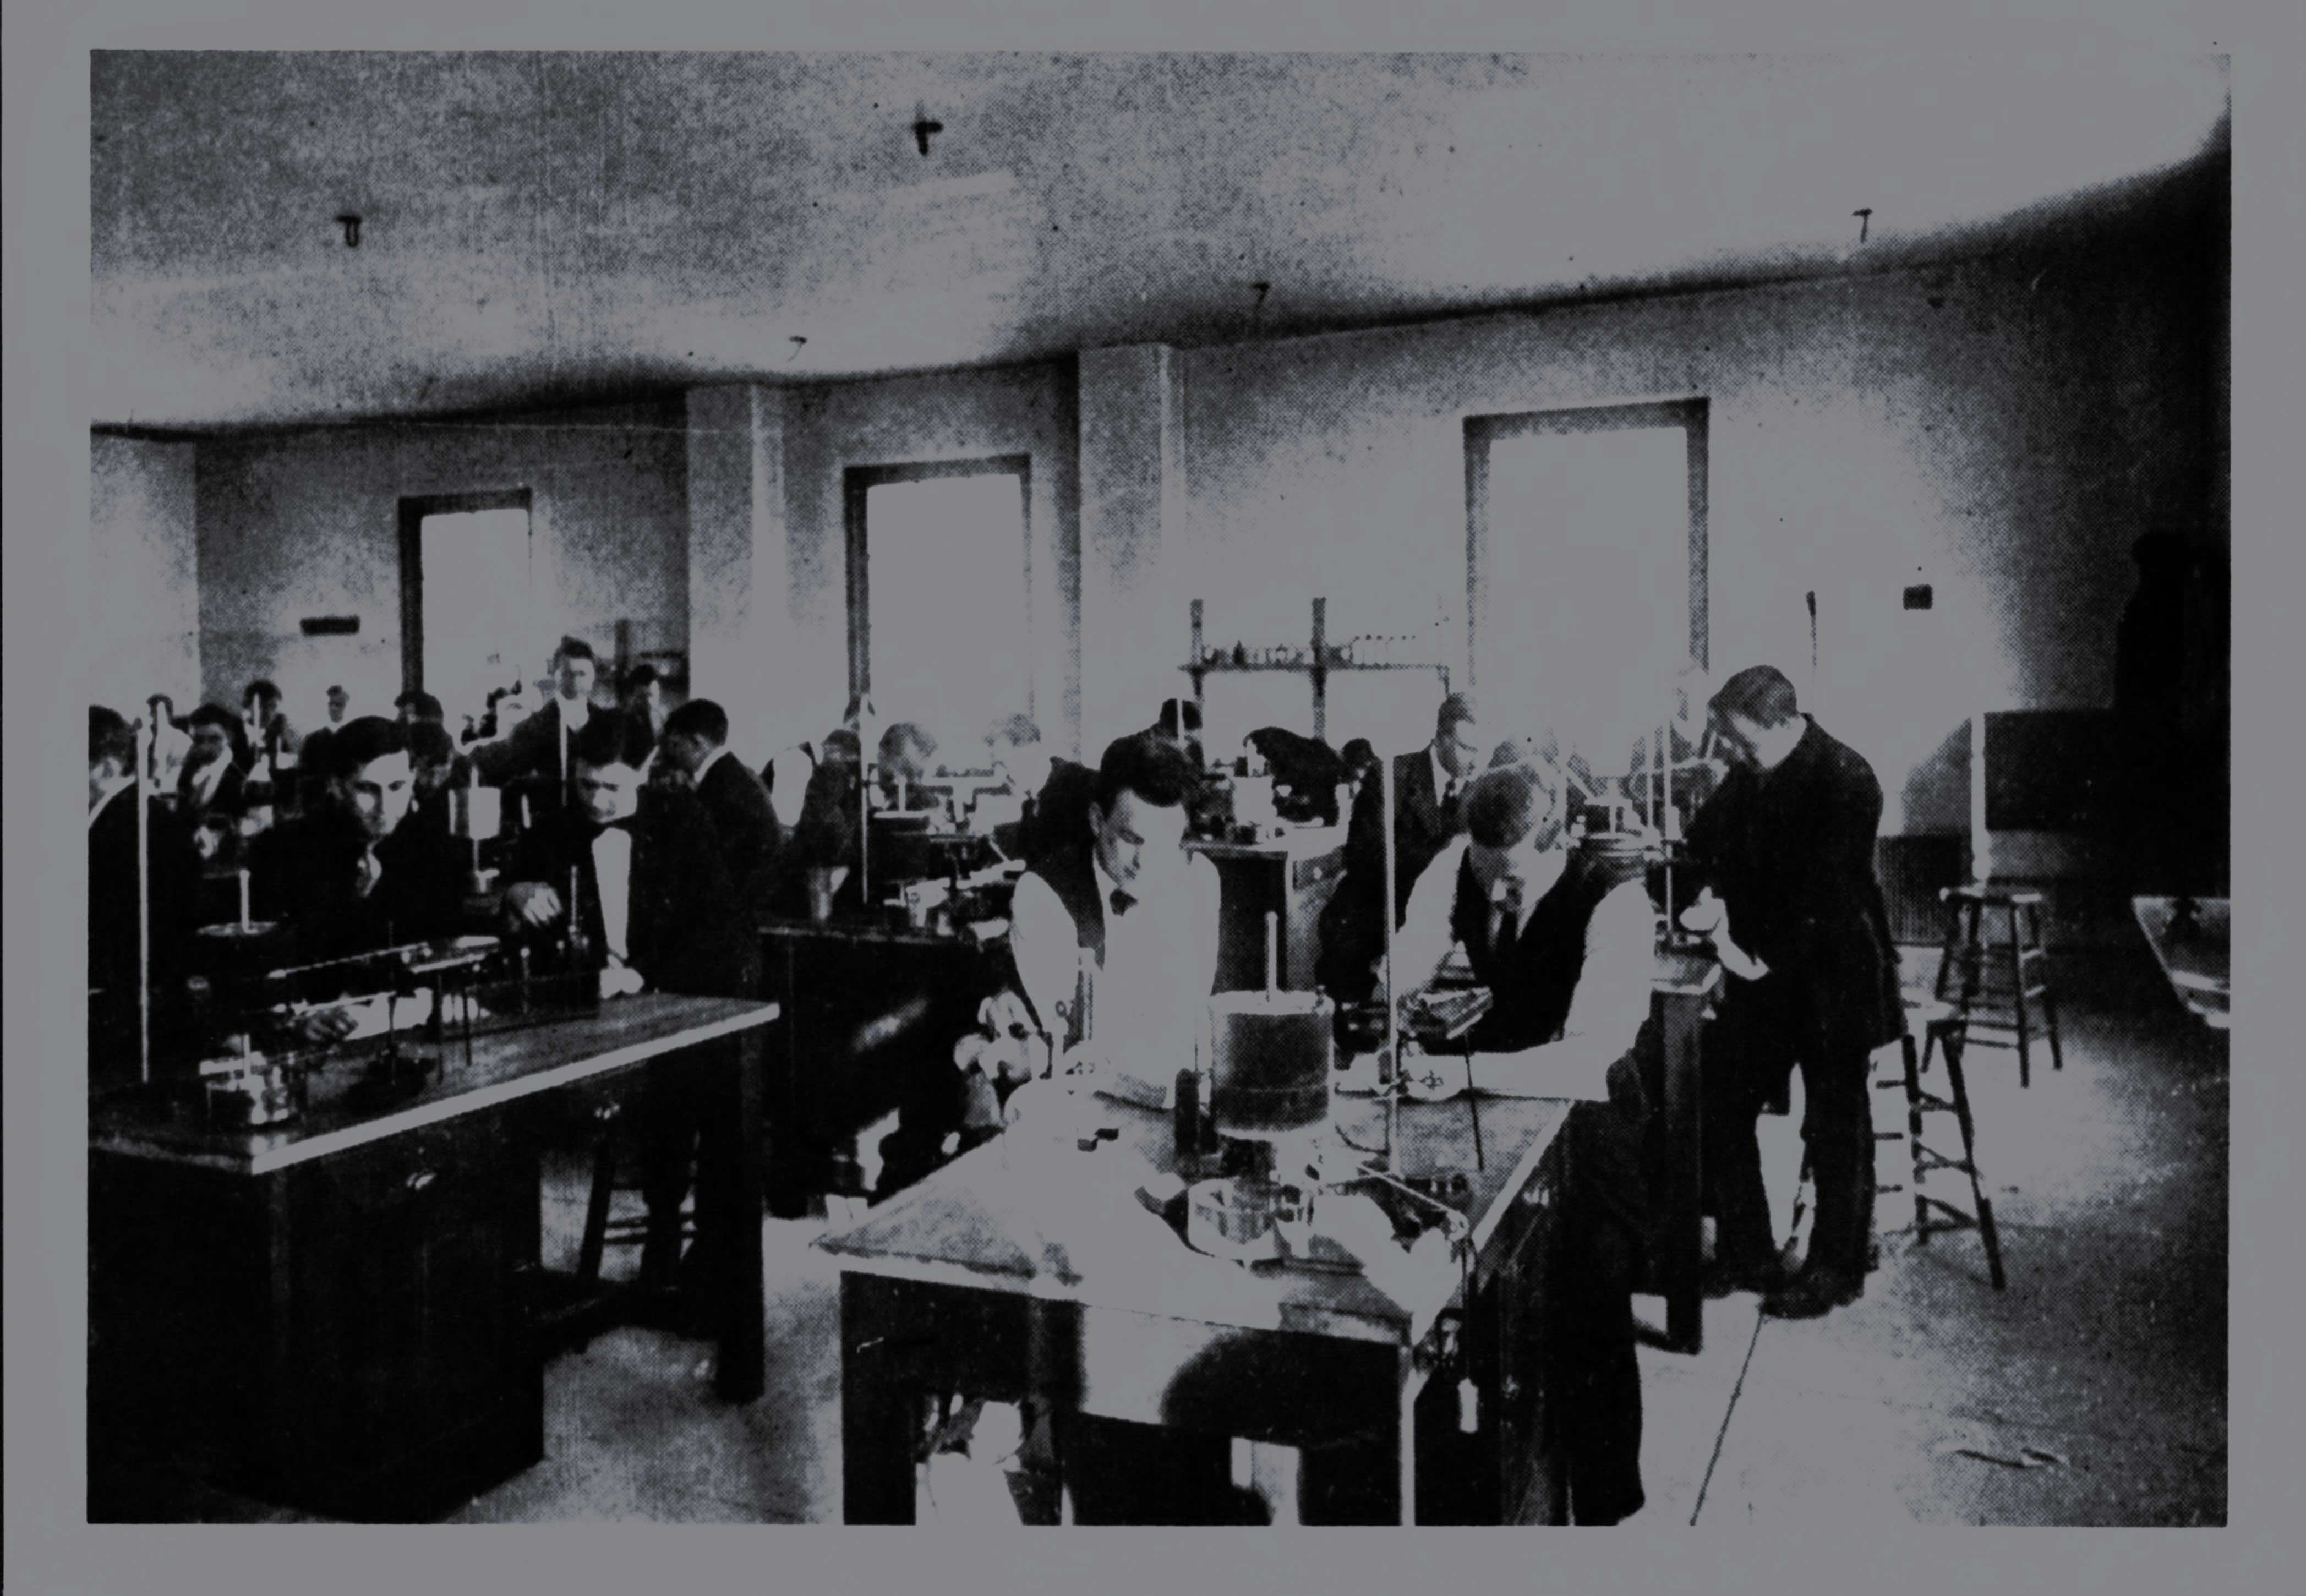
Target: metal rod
1272,953
145,739
1389,1066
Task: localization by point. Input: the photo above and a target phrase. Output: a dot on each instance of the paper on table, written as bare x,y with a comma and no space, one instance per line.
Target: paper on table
1562,1070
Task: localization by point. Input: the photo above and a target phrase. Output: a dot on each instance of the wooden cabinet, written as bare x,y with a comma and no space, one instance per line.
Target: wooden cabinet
346,1335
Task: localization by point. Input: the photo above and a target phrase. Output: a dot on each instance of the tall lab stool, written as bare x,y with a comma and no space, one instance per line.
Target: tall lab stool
1999,986
1945,1030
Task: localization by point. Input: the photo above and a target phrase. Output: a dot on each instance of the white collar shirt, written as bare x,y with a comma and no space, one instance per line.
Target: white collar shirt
1150,1002
613,870
120,785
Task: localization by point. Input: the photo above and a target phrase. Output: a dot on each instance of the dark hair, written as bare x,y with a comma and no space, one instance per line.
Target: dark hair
361,740
429,743
1760,694
427,707
840,743
335,687
1358,756
1156,771
905,740
1179,718
575,648
610,739
1016,731
262,686
109,737
640,676
701,719
1501,805
1455,709
235,733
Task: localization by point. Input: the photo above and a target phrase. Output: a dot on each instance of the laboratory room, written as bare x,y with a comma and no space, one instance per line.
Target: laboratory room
1158,789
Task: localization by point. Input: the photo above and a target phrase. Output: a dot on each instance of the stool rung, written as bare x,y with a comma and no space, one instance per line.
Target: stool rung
1930,1161
1886,1190
1931,1103
1889,1136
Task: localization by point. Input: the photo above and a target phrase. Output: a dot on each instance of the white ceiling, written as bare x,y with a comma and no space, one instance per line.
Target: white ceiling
546,225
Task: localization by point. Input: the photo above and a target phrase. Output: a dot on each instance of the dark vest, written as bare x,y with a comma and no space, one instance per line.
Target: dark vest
1072,876
1534,978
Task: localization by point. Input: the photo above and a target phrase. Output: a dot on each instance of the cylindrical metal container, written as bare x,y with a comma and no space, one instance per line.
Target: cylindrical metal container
1269,1063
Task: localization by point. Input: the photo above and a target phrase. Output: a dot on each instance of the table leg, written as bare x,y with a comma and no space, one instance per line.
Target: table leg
878,1410
788,1189
1684,1240
744,1332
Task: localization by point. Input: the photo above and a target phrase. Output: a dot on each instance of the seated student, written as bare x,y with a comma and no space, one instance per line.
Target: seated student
265,727
437,766
1564,941
350,876
641,695
115,967
658,908
413,707
213,776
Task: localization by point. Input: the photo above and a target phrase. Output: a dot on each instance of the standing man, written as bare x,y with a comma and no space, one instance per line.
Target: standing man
657,909
1563,942
694,741
1784,851
535,756
1426,788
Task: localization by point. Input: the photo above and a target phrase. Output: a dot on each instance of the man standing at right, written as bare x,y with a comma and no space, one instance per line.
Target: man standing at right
1785,853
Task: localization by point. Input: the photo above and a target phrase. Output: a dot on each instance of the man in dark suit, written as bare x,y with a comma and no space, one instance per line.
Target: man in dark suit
350,876
1426,786
535,759
694,742
114,966
213,775
658,908
1786,848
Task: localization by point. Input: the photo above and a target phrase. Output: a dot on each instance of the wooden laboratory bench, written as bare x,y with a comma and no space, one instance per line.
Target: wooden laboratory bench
336,1313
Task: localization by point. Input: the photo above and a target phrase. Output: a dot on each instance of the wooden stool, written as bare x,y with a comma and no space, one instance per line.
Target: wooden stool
1946,1029
601,1232
1992,983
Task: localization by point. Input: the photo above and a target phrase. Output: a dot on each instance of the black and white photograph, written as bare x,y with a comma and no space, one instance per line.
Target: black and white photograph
1175,787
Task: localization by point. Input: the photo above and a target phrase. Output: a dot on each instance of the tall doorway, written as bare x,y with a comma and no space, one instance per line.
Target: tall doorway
467,615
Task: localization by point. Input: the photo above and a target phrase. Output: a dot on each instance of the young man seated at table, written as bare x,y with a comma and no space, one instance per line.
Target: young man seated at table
351,876
1142,911
658,909
1126,913
1564,941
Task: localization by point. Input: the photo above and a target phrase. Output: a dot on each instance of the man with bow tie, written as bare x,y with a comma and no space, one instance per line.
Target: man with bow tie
1427,789
1130,903
658,907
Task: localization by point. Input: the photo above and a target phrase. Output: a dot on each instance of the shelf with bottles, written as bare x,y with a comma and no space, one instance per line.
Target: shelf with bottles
1317,660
